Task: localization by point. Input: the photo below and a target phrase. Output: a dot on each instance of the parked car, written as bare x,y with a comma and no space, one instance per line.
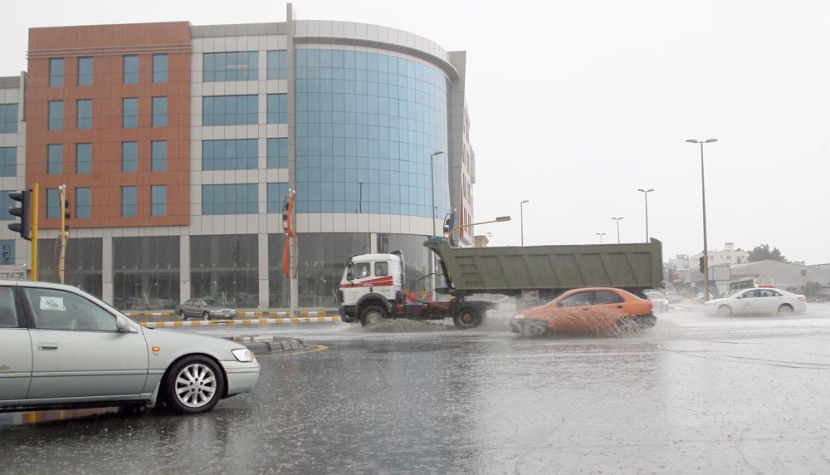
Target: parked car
674,297
658,299
757,301
204,308
62,348
588,310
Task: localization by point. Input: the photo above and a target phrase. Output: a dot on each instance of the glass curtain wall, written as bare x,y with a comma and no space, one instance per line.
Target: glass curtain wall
225,267
367,124
146,273
82,263
322,257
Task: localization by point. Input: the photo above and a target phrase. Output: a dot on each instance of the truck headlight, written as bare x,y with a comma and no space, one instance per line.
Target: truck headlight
243,355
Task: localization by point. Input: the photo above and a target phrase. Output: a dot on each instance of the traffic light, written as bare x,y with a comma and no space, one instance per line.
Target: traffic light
702,265
24,212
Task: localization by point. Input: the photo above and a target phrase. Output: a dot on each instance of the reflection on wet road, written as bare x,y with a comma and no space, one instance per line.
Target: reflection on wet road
693,394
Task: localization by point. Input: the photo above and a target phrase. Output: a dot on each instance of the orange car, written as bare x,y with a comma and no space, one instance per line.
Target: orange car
595,310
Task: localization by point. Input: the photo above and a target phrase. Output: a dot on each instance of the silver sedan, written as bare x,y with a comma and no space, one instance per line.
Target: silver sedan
204,308
757,301
61,347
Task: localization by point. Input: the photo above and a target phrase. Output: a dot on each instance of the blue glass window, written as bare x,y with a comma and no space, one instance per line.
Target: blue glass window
55,115
84,114
53,203
158,197
83,202
8,161
241,66
229,199
159,112
83,158
129,114
7,246
54,159
230,154
129,201
367,124
277,194
131,69
277,153
8,118
277,108
56,72
159,156
129,156
278,64
159,68
230,110
85,71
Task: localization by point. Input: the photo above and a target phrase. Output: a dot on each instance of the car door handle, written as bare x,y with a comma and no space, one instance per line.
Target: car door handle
47,346
619,306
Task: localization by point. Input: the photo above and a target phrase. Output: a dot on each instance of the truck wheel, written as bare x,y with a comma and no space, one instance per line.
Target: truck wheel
371,315
467,317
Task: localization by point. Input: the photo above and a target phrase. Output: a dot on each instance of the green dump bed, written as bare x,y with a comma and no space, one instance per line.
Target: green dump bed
551,269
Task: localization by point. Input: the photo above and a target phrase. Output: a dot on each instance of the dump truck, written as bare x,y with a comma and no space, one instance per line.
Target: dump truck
371,288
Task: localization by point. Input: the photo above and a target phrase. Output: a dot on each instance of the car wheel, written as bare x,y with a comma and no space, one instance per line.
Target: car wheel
785,309
371,315
193,385
539,329
182,315
467,317
724,311
206,316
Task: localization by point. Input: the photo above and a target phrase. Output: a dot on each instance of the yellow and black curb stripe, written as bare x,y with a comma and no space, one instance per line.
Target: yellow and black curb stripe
245,321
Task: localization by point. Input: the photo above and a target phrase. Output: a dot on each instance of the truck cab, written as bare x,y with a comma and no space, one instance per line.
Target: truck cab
369,279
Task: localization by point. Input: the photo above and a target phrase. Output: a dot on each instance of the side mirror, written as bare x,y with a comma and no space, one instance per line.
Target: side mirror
123,325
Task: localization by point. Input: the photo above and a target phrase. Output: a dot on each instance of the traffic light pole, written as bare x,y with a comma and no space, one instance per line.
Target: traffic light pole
35,194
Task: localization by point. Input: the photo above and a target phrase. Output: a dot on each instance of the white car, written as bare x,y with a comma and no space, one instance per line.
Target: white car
61,347
757,301
659,300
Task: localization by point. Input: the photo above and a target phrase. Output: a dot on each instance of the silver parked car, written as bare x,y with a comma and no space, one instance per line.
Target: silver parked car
757,301
61,347
204,308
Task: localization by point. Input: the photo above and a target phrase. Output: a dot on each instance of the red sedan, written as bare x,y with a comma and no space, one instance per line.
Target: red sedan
595,310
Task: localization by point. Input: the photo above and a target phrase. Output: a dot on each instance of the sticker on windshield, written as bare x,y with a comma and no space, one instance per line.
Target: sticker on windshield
52,303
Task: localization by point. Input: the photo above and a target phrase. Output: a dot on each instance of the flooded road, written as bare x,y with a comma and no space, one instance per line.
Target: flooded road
694,394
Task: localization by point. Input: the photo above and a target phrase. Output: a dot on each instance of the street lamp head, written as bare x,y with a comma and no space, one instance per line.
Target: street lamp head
502,218
437,152
617,218
692,140
525,201
711,140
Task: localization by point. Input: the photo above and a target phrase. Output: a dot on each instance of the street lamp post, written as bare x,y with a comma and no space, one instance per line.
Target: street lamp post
703,195
432,215
600,237
432,184
646,192
522,219
618,227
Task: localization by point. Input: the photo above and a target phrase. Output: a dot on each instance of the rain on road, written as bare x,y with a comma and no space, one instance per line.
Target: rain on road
693,394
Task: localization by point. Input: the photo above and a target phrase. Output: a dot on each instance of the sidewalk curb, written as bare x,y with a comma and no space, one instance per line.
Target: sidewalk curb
265,345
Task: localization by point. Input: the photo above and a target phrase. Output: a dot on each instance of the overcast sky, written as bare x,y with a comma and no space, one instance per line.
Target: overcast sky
575,105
